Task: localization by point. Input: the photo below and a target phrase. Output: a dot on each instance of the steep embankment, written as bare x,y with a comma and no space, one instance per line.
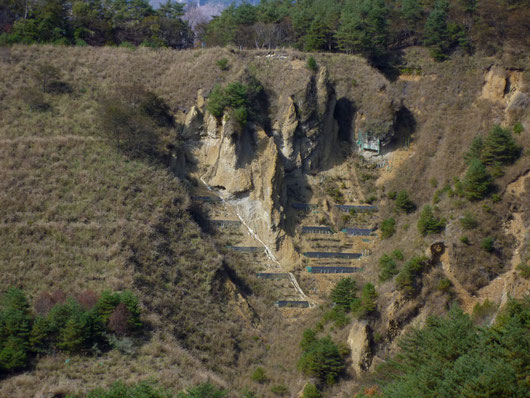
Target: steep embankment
77,213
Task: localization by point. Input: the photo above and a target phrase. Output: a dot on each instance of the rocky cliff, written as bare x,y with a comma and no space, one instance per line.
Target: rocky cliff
253,168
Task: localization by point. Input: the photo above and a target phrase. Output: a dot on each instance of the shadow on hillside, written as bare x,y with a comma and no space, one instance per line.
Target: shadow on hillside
405,126
388,64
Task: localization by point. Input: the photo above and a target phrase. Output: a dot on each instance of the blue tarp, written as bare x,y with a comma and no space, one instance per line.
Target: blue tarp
332,270
332,255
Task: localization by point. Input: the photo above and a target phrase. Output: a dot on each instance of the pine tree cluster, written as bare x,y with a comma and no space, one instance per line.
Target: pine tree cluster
75,325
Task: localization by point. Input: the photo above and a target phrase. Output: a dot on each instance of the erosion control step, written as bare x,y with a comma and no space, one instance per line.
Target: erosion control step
332,255
357,231
333,270
317,230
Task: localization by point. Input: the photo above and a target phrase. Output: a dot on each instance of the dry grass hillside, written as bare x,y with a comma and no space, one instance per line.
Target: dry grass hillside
77,214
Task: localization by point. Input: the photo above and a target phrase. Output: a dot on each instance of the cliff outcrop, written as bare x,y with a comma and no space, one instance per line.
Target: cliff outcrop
247,165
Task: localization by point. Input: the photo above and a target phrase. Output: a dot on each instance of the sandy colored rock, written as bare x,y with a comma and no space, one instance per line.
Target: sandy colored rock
359,341
494,84
288,128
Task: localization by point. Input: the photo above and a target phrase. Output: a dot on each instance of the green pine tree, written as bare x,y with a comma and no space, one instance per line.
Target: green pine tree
412,12
38,338
475,150
131,302
436,30
15,299
13,354
72,337
317,36
217,101
450,357
204,390
428,223
344,292
368,300
500,147
106,305
388,228
403,203
311,391
477,182
309,338
322,360
15,319
387,268
364,28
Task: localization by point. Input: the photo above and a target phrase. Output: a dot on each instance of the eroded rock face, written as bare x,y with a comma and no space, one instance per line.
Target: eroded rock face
229,173
247,165
494,84
287,130
261,207
360,343
306,131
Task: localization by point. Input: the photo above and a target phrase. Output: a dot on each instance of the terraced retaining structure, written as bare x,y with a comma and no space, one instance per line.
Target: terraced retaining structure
317,230
332,270
357,231
332,255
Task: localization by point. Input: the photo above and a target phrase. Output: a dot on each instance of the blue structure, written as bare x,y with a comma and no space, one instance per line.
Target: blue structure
292,304
332,255
366,142
357,208
332,270
357,231
317,230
